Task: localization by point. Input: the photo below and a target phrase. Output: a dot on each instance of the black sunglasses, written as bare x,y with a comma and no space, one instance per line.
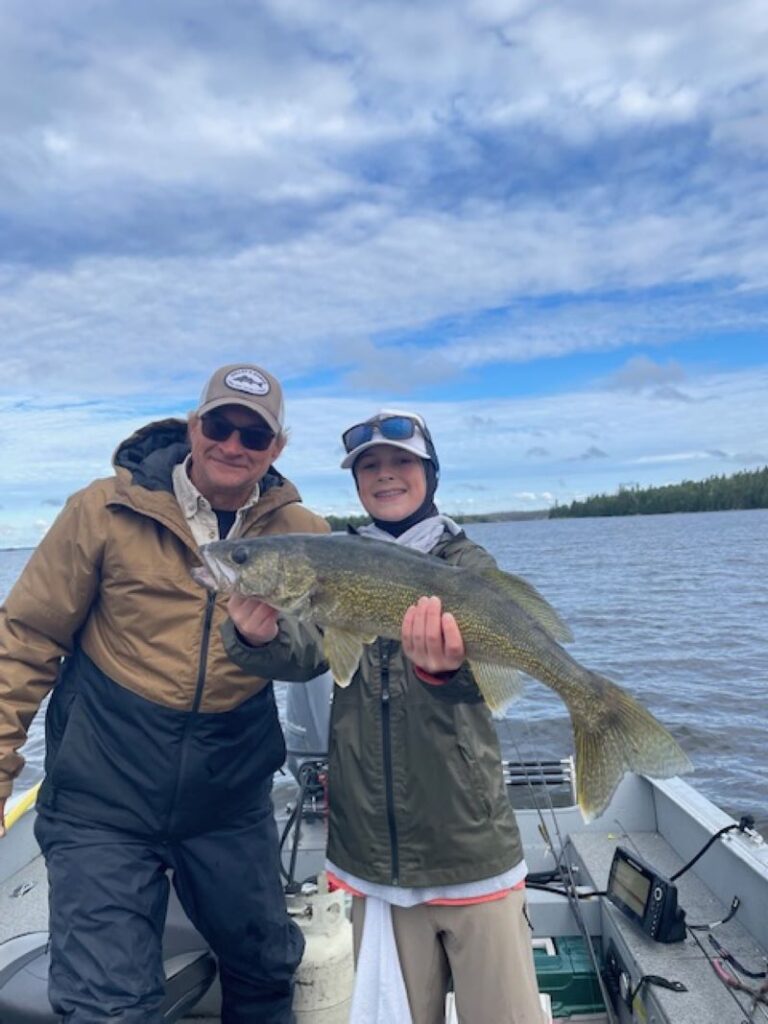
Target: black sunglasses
219,428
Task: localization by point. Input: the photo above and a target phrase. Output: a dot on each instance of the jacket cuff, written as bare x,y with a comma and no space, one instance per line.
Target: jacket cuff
245,655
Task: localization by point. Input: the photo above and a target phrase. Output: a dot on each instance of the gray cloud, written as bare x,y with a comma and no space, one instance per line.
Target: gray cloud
751,458
593,452
641,372
670,394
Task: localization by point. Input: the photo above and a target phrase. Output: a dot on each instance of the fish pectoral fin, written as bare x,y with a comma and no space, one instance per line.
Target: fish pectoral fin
499,684
530,600
343,651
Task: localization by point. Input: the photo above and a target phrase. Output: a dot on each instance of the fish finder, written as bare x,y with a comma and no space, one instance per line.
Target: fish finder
645,897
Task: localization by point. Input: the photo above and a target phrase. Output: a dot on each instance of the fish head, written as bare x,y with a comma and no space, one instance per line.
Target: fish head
262,567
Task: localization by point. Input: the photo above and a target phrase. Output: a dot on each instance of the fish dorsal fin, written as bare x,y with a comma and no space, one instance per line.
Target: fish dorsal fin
343,651
530,600
499,684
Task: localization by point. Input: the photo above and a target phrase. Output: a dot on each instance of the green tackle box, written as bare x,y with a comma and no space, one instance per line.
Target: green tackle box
569,978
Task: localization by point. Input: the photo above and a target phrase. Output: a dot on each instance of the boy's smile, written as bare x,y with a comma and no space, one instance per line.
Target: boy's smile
391,482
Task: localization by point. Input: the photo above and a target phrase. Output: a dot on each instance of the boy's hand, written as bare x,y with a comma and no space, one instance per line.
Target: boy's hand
431,637
255,621
2,816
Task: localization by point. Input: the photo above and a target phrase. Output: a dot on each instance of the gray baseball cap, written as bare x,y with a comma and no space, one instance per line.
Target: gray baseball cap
248,385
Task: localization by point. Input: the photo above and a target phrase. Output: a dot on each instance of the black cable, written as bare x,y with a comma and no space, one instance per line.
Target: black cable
283,837
735,904
745,822
564,892
655,979
542,877
306,779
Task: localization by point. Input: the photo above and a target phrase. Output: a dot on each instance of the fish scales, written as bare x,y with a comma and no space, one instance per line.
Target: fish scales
357,589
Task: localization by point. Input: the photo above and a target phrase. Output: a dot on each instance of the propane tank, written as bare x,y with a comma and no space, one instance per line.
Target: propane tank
326,974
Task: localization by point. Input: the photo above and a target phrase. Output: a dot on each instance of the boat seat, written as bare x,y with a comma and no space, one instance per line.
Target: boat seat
24,981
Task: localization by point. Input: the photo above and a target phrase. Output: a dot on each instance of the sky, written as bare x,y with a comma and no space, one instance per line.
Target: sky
543,225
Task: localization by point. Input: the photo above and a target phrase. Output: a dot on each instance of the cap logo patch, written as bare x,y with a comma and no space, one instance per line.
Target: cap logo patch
248,380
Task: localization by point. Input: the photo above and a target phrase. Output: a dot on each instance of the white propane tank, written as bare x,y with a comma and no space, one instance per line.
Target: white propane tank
326,974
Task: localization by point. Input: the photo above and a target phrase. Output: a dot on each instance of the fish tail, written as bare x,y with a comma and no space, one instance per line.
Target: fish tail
621,736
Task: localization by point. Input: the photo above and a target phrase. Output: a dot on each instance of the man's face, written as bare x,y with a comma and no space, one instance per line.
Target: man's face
225,472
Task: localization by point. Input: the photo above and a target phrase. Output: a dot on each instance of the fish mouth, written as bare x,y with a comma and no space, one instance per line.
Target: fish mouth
215,574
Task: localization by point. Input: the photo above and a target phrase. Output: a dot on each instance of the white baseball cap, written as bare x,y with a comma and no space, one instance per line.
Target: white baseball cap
395,427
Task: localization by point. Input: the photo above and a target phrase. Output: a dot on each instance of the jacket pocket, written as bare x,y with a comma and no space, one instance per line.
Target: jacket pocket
475,778
65,755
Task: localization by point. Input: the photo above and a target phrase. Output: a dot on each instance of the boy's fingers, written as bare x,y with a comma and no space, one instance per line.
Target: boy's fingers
454,642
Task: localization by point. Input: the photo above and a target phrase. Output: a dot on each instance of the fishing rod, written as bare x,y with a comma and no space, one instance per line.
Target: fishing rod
570,888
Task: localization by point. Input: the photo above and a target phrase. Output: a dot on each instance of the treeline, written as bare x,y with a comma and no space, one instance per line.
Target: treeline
747,489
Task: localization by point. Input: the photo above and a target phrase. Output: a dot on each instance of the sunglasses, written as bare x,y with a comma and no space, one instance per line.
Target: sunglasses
392,428
219,428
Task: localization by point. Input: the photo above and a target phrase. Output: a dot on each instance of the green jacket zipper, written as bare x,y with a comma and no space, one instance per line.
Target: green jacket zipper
386,730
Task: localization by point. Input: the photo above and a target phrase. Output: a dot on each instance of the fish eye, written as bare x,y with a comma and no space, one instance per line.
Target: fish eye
240,554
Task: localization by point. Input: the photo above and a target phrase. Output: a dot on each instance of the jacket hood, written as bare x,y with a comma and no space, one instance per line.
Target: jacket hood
151,452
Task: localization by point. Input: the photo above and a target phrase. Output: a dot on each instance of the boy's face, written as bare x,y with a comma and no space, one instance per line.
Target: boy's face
390,481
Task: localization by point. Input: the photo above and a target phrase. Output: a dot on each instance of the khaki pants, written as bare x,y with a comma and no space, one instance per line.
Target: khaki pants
485,947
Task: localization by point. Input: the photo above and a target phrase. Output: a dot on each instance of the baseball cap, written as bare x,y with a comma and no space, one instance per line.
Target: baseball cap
248,385
406,430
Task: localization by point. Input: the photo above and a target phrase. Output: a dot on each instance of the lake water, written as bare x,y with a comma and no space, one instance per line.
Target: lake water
674,608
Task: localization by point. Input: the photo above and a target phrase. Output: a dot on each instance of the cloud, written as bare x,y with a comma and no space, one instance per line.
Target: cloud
642,372
669,394
752,458
593,452
459,203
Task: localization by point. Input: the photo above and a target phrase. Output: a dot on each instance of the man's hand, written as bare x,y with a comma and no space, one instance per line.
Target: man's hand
255,621
2,816
431,637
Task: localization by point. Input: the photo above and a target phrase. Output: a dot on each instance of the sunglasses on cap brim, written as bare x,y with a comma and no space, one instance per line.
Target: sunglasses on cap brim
392,428
219,428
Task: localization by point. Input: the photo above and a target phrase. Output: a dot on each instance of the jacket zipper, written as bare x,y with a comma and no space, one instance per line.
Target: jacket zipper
387,751
210,604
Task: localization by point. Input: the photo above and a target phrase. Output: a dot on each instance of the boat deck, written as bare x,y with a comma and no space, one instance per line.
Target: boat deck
691,961
666,824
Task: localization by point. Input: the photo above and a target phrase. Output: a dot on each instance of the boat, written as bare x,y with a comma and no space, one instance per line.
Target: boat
656,912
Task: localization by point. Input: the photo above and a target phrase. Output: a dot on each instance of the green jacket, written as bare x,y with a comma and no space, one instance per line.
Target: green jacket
416,792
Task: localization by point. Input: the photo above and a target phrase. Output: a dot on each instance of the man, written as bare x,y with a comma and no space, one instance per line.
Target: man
159,749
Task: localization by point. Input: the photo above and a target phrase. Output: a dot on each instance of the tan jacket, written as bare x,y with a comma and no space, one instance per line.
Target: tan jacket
112,581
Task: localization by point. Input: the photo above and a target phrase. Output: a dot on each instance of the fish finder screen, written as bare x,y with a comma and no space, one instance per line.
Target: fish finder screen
629,886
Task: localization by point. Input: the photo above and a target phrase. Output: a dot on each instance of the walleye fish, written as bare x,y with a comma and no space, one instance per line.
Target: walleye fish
356,589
